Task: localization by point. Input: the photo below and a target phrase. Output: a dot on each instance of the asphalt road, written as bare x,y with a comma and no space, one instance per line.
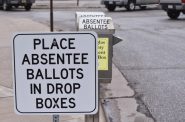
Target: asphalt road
151,57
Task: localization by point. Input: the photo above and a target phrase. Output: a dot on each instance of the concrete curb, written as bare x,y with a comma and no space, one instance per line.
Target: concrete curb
118,99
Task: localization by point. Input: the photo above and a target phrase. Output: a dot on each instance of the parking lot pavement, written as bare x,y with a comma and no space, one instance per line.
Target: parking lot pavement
43,4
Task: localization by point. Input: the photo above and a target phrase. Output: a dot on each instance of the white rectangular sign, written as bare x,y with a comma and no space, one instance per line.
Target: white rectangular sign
95,23
55,73
87,15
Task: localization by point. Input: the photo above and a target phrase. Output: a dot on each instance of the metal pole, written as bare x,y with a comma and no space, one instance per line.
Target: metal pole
51,15
77,2
55,118
92,118
96,117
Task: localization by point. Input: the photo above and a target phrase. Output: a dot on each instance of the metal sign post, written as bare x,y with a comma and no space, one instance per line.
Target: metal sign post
51,15
55,118
77,3
92,118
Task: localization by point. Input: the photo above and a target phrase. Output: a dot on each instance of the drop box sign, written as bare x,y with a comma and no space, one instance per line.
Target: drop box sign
55,73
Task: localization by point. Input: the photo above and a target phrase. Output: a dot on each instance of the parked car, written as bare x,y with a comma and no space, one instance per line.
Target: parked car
128,4
173,7
8,4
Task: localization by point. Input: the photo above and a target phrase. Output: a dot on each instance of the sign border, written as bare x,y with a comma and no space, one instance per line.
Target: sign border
96,74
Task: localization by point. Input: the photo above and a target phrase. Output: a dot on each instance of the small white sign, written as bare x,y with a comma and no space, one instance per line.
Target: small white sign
87,15
55,73
94,23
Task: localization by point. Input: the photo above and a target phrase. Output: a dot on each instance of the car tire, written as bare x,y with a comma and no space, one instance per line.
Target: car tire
111,7
28,7
173,14
5,6
131,5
